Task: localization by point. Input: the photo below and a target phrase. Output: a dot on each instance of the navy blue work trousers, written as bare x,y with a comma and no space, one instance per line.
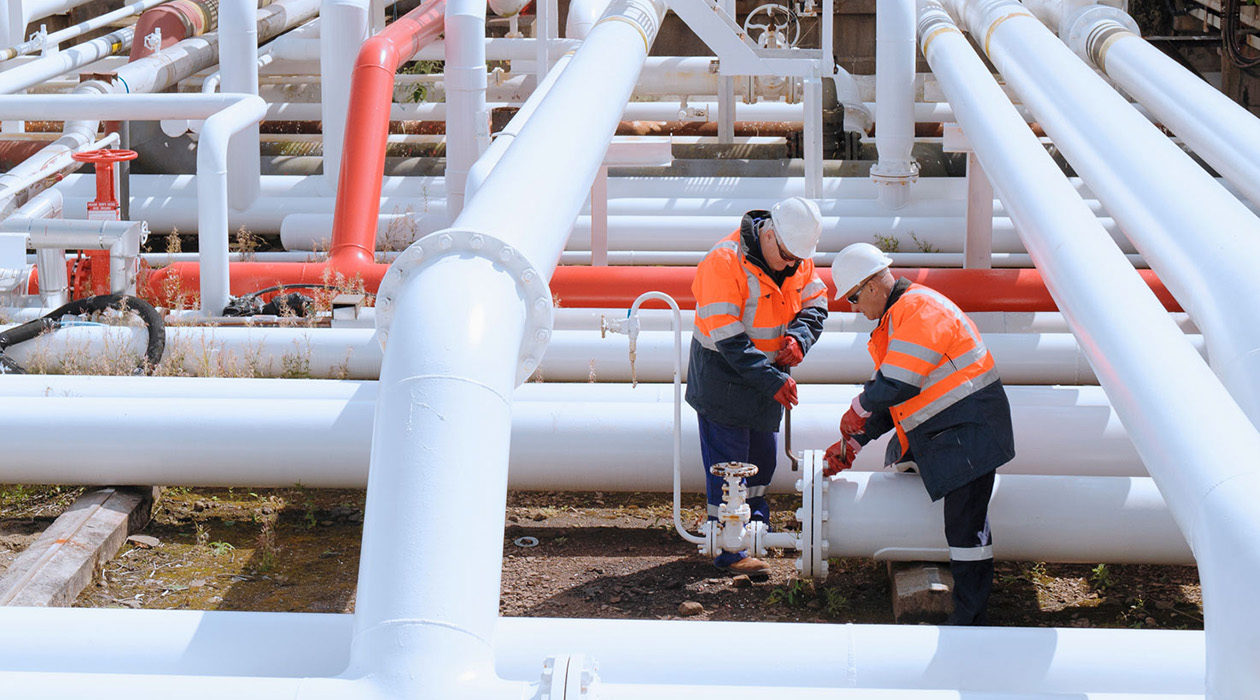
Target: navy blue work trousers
729,443
970,550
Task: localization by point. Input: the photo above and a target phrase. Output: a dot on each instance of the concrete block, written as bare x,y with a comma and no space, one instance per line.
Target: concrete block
921,591
62,562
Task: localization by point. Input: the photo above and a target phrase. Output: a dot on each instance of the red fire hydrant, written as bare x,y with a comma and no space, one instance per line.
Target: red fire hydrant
92,266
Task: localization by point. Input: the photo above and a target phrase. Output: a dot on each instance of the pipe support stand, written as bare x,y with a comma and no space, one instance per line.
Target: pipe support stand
531,284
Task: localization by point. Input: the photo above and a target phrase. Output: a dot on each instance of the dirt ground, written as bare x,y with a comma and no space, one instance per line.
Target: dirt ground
599,555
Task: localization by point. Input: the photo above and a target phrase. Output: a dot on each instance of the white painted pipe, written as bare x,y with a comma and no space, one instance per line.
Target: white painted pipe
1080,519
500,49
973,660
1139,357
225,115
238,63
37,71
16,14
895,171
196,642
343,31
614,438
1179,217
55,38
1217,128
582,17
451,361
481,169
467,119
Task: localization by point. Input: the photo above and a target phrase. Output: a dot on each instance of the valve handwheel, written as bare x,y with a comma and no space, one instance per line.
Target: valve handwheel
733,469
105,155
780,24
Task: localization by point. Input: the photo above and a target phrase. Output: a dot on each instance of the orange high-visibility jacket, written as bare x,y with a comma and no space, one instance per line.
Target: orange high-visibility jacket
742,319
938,385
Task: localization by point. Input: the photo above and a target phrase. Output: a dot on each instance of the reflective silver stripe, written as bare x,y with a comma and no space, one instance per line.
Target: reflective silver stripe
902,374
729,330
949,306
948,399
955,364
754,297
815,286
819,301
713,511
971,553
704,340
726,245
922,352
756,491
716,308
765,333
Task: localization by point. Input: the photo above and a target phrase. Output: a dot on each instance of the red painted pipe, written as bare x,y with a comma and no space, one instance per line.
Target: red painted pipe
367,132
577,286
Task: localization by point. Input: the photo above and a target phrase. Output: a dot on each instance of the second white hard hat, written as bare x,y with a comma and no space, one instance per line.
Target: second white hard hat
854,264
798,224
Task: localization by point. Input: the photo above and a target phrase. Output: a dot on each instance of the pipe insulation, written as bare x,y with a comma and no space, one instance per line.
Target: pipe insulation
572,356
317,433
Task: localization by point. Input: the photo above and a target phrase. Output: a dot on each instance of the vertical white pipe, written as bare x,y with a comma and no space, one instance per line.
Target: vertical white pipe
467,120
726,95
1149,370
895,170
978,244
238,62
343,28
813,138
217,135
599,218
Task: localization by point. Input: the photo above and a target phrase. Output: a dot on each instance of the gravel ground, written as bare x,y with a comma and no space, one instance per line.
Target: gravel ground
600,555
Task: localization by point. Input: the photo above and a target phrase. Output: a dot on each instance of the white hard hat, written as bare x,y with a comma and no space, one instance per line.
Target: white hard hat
798,224
854,264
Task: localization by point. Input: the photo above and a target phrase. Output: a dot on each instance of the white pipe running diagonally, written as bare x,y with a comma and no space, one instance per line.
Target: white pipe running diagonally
1140,357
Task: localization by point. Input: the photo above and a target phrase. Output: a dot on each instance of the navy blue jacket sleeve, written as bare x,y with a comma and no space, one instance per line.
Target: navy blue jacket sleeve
807,326
751,364
878,395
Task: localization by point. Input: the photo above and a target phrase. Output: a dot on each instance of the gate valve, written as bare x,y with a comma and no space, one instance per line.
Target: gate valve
104,208
730,533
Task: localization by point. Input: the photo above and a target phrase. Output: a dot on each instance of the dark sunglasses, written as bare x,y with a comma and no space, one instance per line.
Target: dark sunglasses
857,293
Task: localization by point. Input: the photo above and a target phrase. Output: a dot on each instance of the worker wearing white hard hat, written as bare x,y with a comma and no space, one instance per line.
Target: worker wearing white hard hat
935,384
760,306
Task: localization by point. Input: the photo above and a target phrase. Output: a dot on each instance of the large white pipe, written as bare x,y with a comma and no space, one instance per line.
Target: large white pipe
1182,221
317,433
16,14
343,28
467,119
999,659
225,115
1035,518
1210,481
238,64
895,171
1220,130
989,659
55,38
572,356
37,71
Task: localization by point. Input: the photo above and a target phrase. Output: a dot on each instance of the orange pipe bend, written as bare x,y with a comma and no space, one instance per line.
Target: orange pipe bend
577,286
367,132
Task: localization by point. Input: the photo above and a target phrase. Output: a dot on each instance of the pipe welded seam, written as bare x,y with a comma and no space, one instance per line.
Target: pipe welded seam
927,40
988,36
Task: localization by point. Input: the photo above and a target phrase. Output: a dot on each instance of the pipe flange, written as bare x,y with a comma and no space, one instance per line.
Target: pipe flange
813,517
568,677
1090,30
435,246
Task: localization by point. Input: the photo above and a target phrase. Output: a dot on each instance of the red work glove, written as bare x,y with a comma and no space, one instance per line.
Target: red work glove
786,394
840,455
854,420
790,355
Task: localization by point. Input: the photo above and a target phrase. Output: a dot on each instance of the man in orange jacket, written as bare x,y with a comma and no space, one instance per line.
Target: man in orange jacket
759,308
935,383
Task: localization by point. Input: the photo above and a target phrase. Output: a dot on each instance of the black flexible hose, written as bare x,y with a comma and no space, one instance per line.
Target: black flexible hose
1234,38
52,321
